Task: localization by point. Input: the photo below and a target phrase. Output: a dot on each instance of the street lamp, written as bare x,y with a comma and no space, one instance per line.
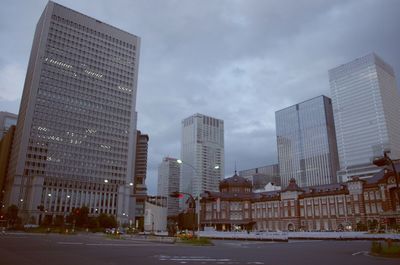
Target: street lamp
216,166
177,194
385,161
152,223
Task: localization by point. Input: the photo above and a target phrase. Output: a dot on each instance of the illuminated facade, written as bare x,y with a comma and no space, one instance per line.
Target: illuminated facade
75,137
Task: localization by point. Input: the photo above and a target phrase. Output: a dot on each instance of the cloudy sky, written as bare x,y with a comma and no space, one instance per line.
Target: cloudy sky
239,61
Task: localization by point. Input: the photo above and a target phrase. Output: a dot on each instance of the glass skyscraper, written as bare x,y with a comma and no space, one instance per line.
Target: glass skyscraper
75,137
366,107
202,150
306,143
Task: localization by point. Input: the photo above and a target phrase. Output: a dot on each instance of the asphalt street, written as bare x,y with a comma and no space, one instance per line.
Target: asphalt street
96,249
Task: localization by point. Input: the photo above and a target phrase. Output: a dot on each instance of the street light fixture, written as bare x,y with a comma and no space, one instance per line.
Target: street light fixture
216,166
179,195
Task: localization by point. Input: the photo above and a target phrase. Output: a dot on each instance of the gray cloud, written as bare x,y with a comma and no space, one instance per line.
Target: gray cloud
236,60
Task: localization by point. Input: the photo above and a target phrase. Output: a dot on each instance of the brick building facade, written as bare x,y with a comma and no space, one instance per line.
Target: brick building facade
342,206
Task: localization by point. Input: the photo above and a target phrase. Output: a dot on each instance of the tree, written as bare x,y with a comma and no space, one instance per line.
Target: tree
12,214
361,227
59,221
93,223
82,216
106,221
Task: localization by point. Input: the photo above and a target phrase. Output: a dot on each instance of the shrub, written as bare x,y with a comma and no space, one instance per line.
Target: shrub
376,247
389,249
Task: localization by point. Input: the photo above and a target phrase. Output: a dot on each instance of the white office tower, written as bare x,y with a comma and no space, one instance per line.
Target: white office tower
306,143
168,182
74,143
202,154
366,108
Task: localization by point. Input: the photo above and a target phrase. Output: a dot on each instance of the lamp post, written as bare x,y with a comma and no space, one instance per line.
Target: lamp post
179,161
152,223
384,161
177,194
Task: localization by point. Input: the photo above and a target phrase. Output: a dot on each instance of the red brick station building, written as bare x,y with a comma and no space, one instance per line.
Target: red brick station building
342,206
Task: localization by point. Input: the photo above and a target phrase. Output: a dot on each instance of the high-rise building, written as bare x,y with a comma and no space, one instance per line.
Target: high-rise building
261,176
140,189
366,109
202,154
7,120
75,138
168,182
306,142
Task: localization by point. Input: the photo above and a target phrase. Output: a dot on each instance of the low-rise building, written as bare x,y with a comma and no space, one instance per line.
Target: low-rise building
155,216
341,206
5,152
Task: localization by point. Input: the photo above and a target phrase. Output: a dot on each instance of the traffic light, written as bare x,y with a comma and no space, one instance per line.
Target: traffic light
176,195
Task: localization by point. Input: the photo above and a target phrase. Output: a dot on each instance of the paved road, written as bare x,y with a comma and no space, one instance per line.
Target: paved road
39,249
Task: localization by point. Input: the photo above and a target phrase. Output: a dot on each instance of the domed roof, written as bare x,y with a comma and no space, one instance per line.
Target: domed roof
235,181
292,186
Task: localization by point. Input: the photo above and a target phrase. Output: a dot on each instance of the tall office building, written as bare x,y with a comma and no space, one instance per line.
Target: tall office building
306,143
168,182
366,108
7,120
139,183
202,153
75,138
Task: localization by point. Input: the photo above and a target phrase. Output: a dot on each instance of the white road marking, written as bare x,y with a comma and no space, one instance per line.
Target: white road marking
360,252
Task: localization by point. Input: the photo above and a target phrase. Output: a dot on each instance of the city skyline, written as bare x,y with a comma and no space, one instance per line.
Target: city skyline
250,59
